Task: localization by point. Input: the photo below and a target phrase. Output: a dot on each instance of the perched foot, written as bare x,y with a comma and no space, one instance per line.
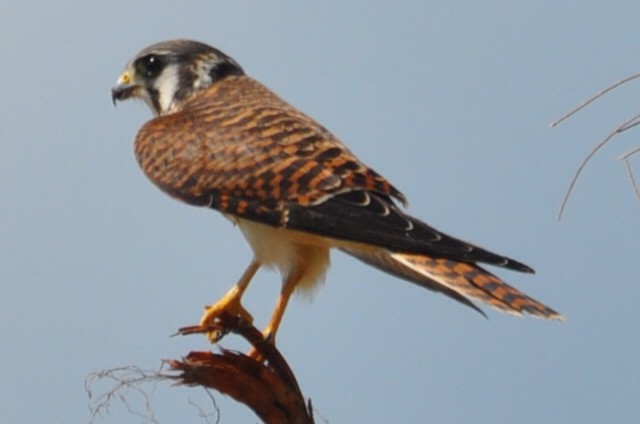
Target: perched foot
212,324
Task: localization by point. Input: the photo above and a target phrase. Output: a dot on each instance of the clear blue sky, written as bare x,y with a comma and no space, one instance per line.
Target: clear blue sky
449,100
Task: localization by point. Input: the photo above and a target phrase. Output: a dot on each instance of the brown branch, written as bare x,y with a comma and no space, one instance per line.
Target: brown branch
266,385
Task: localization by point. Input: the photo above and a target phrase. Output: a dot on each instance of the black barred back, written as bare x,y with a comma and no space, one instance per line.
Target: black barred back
240,139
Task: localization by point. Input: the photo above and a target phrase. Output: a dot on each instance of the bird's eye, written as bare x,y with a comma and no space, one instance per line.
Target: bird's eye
150,66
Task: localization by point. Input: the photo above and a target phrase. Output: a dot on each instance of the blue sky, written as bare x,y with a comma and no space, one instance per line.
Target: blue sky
449,100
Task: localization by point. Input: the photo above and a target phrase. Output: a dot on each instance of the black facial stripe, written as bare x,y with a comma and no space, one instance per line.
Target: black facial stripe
154,95
186,78
224,69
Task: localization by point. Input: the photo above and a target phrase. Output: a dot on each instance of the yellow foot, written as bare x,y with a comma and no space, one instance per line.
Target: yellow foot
212,324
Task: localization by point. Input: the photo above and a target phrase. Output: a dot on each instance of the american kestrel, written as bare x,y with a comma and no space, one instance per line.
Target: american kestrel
222,140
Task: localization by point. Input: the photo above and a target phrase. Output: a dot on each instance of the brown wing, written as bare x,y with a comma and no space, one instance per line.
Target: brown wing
241,139
240,149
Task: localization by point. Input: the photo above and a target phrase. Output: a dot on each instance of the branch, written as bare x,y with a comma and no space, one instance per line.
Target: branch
628,124
266,385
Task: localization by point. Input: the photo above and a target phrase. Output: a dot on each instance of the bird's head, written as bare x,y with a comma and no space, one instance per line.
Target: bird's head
167,74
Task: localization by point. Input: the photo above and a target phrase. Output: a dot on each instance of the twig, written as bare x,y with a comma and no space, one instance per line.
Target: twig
630,123
126,379
634,181
594,98
204,414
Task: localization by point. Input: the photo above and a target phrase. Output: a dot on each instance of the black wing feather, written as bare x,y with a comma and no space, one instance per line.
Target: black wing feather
371,218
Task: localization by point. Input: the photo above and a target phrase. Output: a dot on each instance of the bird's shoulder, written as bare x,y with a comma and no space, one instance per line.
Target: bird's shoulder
239,138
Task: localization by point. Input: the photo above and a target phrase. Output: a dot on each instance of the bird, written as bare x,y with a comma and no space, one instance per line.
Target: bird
220,139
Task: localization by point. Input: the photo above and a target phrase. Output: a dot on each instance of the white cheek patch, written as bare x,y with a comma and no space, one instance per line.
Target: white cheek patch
203,70
167,85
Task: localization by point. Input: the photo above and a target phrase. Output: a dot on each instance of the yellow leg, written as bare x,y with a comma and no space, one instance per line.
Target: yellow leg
285,294
270,331
230,303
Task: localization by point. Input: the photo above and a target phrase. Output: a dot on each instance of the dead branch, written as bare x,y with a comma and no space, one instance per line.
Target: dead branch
127,381
266,385
628,124
594,98
632,177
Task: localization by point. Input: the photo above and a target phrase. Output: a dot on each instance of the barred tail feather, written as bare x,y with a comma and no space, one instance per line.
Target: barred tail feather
461,281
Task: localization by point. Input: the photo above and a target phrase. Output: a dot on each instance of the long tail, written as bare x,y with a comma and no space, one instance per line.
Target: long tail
461,281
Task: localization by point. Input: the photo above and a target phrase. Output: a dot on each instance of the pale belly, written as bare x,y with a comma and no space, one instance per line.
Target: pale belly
293,253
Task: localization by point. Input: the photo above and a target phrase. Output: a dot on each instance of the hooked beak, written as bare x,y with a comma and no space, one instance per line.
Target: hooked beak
123,89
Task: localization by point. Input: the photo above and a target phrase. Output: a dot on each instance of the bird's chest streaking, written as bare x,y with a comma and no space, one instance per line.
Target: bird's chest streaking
294,254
